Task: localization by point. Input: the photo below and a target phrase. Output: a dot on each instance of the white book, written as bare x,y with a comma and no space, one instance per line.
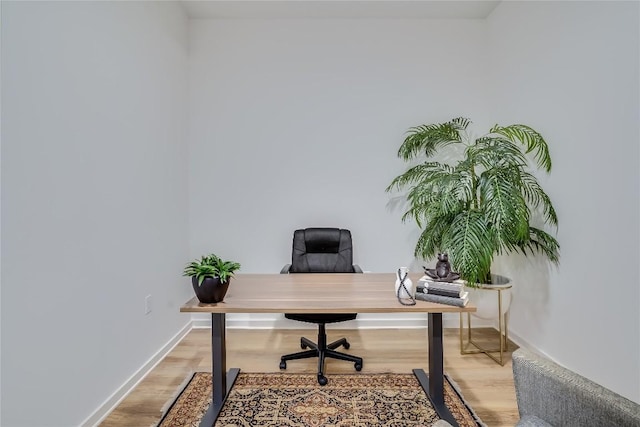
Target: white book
426,278
456,285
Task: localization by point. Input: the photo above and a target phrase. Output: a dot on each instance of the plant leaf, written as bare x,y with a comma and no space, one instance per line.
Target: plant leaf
470,243
504,207
531,139
426,139
536,196
430,241
542,242
211,266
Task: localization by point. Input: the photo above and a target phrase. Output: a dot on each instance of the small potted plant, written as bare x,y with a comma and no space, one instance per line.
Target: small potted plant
210,276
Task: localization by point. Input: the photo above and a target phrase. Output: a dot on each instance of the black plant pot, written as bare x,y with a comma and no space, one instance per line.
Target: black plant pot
211,290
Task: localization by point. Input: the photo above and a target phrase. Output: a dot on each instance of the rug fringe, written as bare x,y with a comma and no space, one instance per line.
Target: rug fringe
456,388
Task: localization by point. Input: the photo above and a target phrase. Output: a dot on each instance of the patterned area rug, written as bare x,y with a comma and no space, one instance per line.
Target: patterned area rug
296,400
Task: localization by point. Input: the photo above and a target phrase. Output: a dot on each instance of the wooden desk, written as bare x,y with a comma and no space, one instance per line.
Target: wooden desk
319,293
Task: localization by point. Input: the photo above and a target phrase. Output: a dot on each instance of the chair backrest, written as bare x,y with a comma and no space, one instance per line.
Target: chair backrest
322,250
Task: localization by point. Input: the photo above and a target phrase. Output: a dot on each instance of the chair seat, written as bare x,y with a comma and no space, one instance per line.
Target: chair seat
321,317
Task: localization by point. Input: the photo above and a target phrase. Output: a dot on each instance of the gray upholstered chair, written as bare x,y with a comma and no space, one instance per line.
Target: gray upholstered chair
322,250
551,395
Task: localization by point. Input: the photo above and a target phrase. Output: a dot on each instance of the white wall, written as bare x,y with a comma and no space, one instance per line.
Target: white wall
571,70
296,123
94,200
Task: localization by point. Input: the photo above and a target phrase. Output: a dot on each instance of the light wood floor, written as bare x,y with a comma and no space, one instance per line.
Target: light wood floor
487,386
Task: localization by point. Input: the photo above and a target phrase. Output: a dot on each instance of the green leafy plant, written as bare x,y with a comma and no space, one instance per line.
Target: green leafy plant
211,266
479,204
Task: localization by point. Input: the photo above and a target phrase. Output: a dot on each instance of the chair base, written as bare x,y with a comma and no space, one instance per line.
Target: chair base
322,350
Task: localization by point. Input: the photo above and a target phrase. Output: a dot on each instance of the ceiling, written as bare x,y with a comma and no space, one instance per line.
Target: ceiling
350,9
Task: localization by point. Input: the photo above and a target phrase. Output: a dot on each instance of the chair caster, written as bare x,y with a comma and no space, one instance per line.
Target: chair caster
283,364
358,366
346,345
322,380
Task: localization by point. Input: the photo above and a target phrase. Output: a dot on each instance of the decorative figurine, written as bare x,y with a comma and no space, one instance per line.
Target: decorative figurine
443,268
442,272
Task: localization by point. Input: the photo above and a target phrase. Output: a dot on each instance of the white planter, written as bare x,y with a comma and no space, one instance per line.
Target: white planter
486,298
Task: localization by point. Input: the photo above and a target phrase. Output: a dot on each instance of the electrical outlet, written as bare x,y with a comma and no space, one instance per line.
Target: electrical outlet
147,304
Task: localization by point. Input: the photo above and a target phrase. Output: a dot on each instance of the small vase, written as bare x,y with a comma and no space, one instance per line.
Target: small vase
211,290
401,292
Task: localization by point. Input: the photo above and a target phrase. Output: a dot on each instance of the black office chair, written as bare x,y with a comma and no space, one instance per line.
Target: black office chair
322,250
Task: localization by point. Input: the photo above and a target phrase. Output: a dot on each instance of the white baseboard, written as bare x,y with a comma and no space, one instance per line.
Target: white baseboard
112,401
521,342
413,321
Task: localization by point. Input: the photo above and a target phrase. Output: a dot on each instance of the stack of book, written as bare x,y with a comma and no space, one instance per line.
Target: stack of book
451,293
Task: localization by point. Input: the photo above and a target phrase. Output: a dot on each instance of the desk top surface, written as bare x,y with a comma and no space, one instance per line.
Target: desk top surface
316,293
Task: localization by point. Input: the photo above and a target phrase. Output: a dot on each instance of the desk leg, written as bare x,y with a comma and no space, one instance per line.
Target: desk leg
222,381
433,386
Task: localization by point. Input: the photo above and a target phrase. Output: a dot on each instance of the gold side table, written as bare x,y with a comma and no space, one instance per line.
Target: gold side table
503,329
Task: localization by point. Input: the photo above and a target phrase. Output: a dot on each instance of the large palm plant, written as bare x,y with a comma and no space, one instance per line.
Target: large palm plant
480,204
